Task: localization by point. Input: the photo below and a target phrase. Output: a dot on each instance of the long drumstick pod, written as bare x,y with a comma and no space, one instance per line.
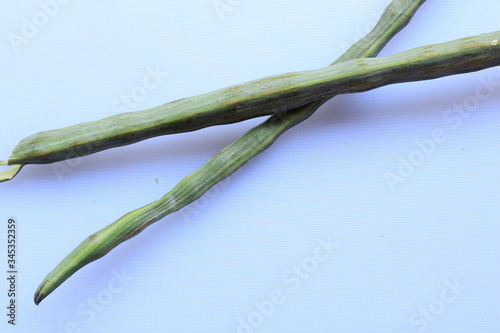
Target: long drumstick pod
395,17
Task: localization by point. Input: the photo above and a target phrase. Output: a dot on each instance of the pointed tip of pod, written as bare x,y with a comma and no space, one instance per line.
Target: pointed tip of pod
38,298
40,293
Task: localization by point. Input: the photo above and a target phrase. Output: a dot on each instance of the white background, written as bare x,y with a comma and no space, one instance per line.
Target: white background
420,255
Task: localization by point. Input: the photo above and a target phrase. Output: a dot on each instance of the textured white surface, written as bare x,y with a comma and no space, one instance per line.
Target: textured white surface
418,255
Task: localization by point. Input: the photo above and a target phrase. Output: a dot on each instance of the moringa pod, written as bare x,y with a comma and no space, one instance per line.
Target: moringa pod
395,17
266,96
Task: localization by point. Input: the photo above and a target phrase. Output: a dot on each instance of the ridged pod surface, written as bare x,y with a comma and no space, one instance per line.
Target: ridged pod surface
227,161
266,96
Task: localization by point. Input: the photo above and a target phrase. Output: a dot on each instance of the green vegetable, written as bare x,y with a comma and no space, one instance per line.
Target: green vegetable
227,161
266,96
10,173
